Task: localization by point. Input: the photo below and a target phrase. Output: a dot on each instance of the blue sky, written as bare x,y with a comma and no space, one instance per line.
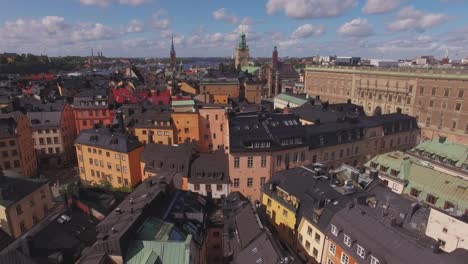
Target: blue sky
143,28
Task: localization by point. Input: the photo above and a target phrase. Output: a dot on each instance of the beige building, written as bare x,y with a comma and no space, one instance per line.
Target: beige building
311,239
23,203
437,98
213,127
451,232
53,135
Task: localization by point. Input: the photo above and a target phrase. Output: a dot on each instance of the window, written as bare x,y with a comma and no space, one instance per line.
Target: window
332,249
300,238
116,156
186,130
269,202
249,162
107,154
334,230
445,230
126,182
307,245
125,170
92,173
329,261
19,210
219,187
22,226
347,240
374,260
249,182
278,160
117,168
434,90
236,162
361,252
344,258
317,237
309,231
285,213
236,182
314,252
16,163
109,166
197,187
454,124
448,205
123,157
457,106
302,156
460,93
431,103
262,181
263,162
421,90
431,199
446,92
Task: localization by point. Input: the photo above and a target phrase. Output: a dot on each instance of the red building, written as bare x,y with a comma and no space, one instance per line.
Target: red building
128,95
90,110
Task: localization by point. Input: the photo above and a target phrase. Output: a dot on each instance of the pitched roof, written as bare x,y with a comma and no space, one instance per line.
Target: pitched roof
292,98
445,149
210,168
13,189
110,139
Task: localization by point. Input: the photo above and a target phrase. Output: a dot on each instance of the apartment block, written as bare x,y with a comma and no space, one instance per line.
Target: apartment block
109,155
53,135
213,127
16,145
23,203
92,108
435,97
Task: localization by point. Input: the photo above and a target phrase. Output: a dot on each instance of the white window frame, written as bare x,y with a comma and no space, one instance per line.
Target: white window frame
342,258
329,261
361,251
333,252
374,260
347,240
334,230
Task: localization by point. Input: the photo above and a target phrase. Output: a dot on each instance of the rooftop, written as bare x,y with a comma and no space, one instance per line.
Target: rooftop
293,98
44,119
13,189
444,151
210,168
110,139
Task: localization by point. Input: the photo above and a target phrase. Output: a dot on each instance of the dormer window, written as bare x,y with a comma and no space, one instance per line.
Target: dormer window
374,260
334,230
347,240
360,251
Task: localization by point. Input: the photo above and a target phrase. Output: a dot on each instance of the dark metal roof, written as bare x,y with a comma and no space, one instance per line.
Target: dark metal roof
13,189
210,168
110,139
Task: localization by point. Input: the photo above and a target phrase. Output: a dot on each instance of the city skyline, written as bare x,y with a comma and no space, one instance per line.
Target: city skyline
392,29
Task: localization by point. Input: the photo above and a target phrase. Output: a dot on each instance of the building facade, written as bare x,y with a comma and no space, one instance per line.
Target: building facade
53,135
105,155
435,97
92,109
23,204
213,127
16,145
187,126
448,230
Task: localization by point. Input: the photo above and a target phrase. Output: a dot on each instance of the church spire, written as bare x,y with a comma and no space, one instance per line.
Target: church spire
173,54
172,44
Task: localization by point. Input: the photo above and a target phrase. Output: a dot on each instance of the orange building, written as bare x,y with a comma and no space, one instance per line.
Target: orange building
16,144
213,127
54,135
187,126
92,110
24,202
228,87
109,155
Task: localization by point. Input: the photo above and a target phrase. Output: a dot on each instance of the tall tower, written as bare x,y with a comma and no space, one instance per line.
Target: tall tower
173,54
274,59
242,52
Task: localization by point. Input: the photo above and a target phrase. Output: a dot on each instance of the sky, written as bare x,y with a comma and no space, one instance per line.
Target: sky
383,29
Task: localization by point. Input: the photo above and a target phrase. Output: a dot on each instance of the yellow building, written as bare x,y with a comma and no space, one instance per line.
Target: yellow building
152,126
311,239
111,155
281,207
187,88
23,203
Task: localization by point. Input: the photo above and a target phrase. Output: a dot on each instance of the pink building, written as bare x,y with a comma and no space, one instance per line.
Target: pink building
213,130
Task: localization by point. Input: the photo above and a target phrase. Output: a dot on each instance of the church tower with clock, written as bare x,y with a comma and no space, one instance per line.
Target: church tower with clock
242,52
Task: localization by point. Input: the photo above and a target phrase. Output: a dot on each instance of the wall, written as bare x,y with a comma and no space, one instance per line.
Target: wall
336,258
213,126
160,135
449,229
85,118
28,158
215,193
187,127
304,236
230,89
107,163
36,204
284,219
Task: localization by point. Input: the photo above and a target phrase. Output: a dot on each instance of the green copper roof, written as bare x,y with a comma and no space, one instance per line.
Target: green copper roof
151,252
250,69
445,149
400,72
183,103
242,42
292,99
427,180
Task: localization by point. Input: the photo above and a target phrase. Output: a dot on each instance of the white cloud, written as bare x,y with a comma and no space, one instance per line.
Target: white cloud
222,15
159,21
411,19
108,2
380,6
308,30
302,9
135,26
358,27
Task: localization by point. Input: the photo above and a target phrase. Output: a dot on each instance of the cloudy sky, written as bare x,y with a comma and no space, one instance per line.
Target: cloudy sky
143,28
